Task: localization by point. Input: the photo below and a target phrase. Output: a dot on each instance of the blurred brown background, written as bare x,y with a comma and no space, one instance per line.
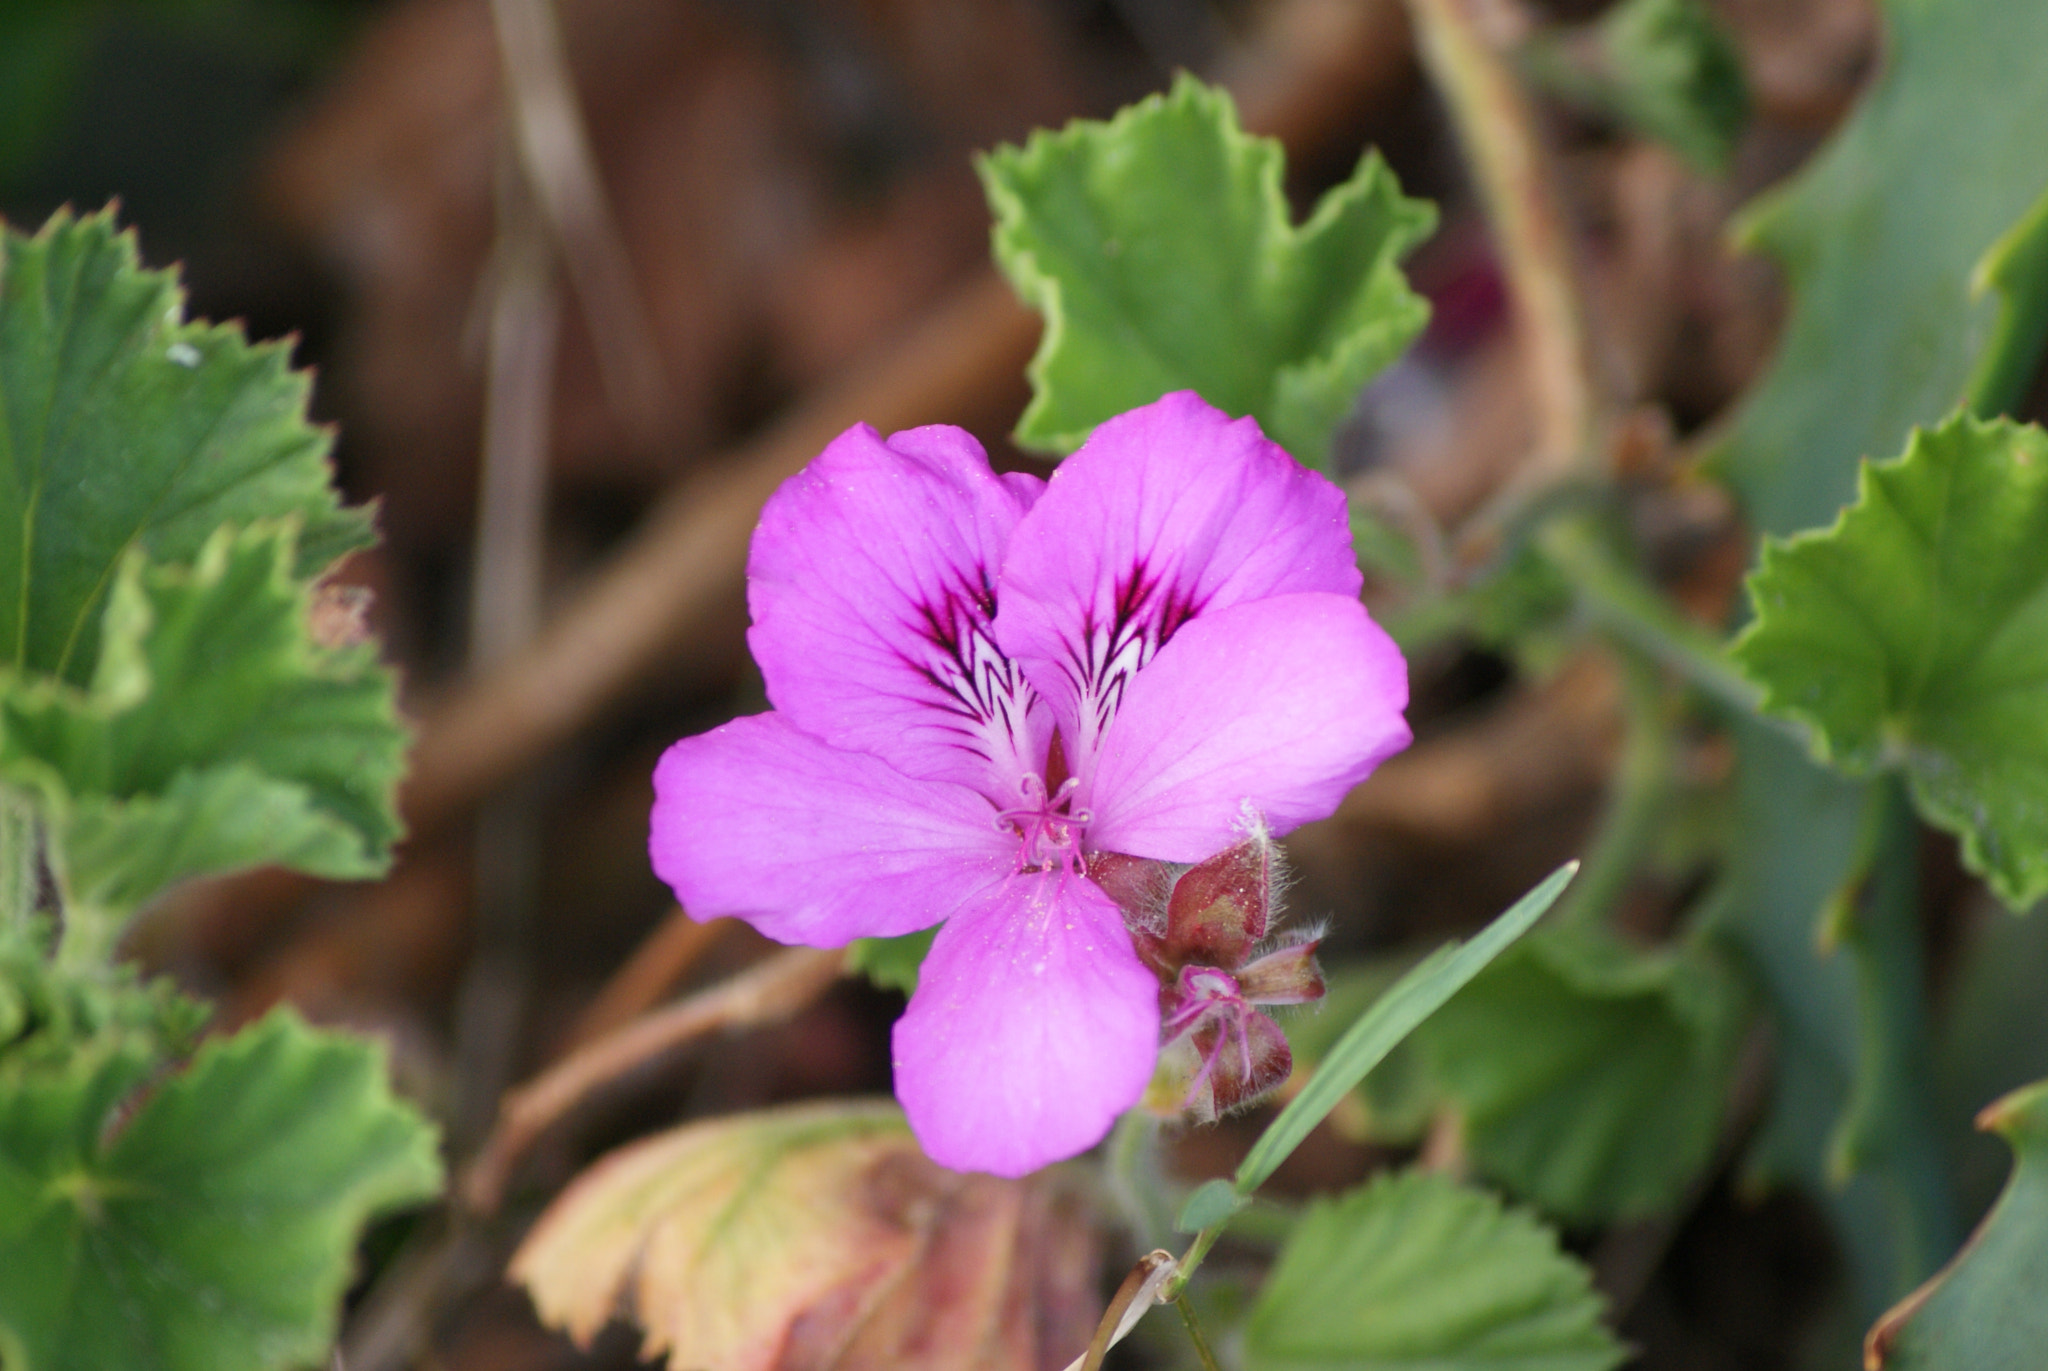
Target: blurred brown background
583,280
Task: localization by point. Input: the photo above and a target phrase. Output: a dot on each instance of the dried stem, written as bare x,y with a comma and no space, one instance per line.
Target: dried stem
555,153
768,993
525,324
505,598
1516,182
1144,1287
661,961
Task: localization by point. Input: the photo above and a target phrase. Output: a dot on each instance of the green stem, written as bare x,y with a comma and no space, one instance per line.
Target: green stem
1884,1129
1191,1261
1194,1327
1642,784
1636,613
2017,268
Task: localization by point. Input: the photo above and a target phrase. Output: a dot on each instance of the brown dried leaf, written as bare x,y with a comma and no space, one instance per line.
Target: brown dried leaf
815,1238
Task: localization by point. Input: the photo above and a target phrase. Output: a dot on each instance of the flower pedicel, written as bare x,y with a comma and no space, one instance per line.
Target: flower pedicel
980,683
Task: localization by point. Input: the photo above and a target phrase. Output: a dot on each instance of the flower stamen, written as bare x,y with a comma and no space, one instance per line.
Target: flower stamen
1047,827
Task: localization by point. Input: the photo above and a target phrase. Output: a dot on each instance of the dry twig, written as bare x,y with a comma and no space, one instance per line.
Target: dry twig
556,158
768,993
1514,175
661,961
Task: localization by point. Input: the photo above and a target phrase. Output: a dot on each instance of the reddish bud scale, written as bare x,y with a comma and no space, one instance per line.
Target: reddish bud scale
1199,928
1221,907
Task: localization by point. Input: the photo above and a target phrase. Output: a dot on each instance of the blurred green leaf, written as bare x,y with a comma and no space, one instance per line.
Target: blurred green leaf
1592,1077
1914,634
1804,841
1212,1203
1159,248
1396,1014
891,963
42,48
1397,1098
1892,237
1667,67
212,1229
1988,1308
123,427
1414,1272
49,1015
216,734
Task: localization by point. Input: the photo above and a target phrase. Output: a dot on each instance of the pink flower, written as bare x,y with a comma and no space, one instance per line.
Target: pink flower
981,680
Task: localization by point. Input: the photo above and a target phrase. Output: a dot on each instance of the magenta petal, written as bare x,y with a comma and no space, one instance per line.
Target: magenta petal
1033,1027
814,845
872,586
1279,707
1171,511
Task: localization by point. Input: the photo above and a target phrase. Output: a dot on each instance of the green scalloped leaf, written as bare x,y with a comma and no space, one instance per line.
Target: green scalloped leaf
164,504
1987,1310
1160,249
212,1229
1891,237
1592,1078
1913,634
216,733
124,427
1414,1272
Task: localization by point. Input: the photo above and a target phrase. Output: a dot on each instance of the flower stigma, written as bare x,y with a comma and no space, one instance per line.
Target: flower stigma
1048,828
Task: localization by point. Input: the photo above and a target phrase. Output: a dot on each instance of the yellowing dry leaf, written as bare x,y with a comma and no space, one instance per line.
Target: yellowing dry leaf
816,1238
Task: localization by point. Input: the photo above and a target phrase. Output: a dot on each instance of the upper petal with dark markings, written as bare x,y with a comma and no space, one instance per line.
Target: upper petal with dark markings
1166,513
872,586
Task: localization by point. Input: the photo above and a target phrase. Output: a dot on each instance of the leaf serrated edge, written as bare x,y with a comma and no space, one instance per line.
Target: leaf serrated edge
122,681
1003,169
1881,480
1874,479
1573,1281
350,527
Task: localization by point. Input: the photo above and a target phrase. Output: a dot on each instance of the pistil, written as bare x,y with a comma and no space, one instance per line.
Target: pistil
1047,827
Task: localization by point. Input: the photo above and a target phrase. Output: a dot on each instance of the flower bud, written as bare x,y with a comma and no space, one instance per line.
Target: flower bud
1221,907
1220,1053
